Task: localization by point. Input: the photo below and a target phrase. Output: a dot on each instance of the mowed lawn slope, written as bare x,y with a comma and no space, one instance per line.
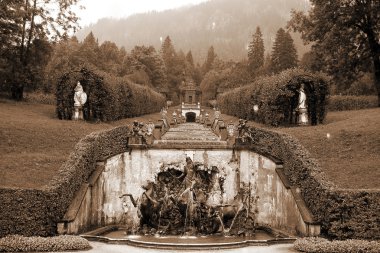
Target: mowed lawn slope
34,144
351,155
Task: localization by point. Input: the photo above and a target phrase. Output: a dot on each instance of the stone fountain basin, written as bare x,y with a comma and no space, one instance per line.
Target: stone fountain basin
116,235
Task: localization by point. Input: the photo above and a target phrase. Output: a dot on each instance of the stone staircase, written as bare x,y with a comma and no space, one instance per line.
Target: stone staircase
191,135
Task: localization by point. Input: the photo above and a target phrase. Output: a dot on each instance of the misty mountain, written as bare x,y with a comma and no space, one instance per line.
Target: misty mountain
228,25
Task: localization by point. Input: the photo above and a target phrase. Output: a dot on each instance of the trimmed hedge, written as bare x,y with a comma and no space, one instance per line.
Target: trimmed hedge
17,243
343,213
108,97
277,98
321,245
40,98
345,103
31,212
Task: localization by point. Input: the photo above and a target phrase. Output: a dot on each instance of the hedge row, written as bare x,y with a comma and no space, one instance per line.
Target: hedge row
17,243
108,97
322,245
343,213
40,97
31,212
277,98
345,103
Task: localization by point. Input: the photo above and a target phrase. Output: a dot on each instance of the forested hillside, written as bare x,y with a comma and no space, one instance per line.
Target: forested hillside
227,25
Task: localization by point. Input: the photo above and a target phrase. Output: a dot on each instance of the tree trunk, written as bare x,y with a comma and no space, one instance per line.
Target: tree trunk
17,92
375,52
31,30
376,63
23,32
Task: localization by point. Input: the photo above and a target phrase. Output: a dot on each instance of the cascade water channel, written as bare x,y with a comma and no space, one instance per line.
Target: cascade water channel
189,189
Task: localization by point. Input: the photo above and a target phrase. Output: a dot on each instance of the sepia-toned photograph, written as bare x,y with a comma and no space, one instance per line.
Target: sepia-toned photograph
190,126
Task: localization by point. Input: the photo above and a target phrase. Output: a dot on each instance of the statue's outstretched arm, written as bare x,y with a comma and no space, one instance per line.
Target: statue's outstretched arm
131,197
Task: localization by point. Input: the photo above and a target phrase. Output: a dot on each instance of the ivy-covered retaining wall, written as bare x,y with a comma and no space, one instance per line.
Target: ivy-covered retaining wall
31,212
343,213
108,97
276,98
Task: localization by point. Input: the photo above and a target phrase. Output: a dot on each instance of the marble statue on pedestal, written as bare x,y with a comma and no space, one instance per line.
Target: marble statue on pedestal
302,107
80,98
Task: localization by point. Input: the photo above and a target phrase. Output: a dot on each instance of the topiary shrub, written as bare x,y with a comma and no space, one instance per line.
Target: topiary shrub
321,245
18,243
277,98
93,85
108,97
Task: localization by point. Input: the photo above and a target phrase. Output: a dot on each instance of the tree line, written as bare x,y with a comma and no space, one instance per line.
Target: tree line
36,49
27,29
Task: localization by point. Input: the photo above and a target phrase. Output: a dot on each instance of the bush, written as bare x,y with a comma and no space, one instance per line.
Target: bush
40,98
108,97
277,98
17,243
345,103
321,245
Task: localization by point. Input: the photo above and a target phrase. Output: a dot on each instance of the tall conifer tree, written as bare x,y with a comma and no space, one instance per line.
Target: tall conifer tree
168,53
256,52
284,53
210,60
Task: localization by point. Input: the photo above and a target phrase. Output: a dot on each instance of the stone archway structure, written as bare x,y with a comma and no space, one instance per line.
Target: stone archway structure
190,116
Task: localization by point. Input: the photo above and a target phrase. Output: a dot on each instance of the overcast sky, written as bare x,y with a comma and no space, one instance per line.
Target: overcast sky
97,9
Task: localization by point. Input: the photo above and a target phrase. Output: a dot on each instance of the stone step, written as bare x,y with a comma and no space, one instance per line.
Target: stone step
197,132
189,144
178,128
189,135
196,138
174,130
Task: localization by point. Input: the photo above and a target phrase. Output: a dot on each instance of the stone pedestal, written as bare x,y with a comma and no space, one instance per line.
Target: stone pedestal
78,113
302,116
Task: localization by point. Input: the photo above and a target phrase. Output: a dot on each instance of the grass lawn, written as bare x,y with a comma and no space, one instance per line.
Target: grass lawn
34,144
351,156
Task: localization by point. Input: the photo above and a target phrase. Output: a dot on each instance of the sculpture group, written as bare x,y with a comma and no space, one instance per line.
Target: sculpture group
190,202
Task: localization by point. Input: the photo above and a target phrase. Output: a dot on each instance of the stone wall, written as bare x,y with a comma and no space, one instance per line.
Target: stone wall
273,202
